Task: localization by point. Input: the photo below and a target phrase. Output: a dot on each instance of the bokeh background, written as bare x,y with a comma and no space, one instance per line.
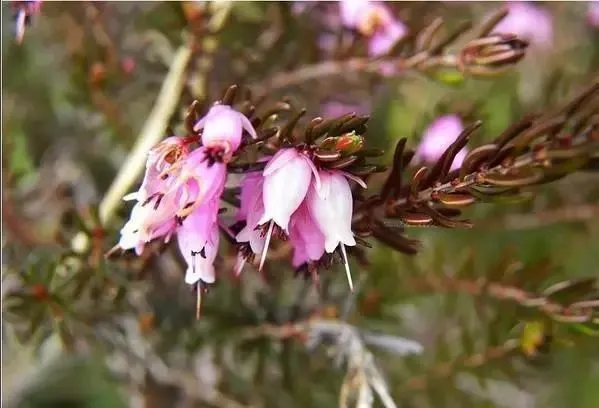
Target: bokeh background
75,97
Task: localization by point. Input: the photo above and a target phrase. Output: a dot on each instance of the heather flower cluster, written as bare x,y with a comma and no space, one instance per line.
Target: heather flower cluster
181,189
296,197
292,199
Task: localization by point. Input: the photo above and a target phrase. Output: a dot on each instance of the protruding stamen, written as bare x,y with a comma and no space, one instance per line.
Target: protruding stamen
347,271
266,244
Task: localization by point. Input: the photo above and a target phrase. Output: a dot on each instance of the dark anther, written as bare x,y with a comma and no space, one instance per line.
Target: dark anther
201,252
158,201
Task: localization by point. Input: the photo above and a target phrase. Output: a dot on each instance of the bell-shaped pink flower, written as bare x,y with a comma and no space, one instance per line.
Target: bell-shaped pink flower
198,242
305,236
331,208
287,177
438,137
223,127
529,22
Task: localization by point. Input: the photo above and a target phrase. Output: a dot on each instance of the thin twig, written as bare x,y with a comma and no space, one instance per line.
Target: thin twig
575,312
331,68
471,179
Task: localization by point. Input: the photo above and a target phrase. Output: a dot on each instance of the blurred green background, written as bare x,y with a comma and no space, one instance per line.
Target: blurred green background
75,96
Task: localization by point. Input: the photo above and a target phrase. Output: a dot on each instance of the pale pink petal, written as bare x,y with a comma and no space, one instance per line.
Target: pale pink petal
280,159
332,211
198,242
284,190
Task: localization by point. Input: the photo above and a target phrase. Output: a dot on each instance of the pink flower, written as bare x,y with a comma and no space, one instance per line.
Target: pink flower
273,197
223,127
287,177
198,242
529,22
252,209
373,20
305,236
331,208
158,167
438,137
175,184
199,180
593,14
149,221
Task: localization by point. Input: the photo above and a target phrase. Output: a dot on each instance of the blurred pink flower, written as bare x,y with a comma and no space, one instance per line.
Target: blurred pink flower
593,14
438,137
223,127
198,242
528,22
331,208
374,20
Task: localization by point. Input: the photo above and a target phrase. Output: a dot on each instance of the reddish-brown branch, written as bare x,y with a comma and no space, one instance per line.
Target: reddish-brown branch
575,312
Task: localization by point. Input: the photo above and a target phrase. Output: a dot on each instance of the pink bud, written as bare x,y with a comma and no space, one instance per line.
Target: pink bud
128,65
438,137
223,127
198,242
